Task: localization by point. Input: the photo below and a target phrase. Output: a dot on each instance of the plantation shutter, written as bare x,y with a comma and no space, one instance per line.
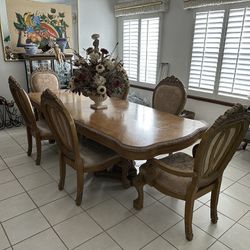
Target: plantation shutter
205,52
149,49
130,47
235,76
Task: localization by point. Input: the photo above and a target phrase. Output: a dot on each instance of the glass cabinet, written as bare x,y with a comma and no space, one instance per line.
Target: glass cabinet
48,61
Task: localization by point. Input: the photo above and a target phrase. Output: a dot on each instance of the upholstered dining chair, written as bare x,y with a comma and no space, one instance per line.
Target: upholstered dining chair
188,178
42,79
170,96
85,157
38,129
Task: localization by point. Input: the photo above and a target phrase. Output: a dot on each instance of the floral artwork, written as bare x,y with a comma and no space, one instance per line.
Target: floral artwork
41,28
37,22
98,73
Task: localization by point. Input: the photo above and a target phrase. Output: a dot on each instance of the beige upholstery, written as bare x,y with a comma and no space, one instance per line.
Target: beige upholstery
83,158
43,128
93,153
187,178
170,96
38,129
42,79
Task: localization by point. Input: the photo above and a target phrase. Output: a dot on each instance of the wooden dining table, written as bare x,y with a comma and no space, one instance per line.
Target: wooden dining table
134,131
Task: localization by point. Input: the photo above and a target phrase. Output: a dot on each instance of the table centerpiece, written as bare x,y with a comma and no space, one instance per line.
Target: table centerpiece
98,74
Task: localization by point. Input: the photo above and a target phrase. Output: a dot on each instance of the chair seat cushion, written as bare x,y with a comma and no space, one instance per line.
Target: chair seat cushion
169,183
43,128
96,156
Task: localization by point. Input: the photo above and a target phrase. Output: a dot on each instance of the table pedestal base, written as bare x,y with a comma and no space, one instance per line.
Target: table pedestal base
125,171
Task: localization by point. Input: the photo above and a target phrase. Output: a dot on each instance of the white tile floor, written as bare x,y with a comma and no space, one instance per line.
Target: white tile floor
35,215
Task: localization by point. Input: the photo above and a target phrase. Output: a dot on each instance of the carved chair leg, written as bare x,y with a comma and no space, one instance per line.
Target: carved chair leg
214,201
38,149
29,137
189,206
62,172
138,183
80,183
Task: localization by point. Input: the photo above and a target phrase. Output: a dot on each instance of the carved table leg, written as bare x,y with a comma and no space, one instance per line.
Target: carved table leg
138,184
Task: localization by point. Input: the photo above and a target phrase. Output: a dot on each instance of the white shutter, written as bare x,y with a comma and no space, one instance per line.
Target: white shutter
235,70
149,49
130,47
205,53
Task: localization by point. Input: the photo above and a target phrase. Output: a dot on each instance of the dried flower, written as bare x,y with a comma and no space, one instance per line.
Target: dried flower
100,68
101,90
99,80
98,73
104,51
95,36
94,57
89,50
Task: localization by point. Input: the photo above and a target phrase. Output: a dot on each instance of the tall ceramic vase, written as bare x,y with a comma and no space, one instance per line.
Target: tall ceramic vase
98,101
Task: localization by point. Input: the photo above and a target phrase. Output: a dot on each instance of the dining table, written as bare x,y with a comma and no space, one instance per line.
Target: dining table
134,131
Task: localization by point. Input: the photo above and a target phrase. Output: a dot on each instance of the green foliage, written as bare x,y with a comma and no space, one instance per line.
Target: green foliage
61,14
50,16
19,26
52,10
43,17
7,39
53,23
20,19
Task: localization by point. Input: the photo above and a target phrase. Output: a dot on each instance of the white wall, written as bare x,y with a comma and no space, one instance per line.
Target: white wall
15,69
176,41
176,48
97,16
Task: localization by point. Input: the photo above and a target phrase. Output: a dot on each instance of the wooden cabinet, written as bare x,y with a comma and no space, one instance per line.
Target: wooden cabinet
48,61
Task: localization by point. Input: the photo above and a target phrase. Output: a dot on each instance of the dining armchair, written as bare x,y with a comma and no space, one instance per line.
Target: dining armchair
170,96
42,79
38,129
87,156
188,178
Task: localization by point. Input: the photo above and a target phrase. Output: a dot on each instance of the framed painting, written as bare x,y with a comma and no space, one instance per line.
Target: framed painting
39,22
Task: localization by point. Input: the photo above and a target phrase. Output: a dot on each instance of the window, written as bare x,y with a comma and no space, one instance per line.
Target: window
220,61
140,48
205,54
235,69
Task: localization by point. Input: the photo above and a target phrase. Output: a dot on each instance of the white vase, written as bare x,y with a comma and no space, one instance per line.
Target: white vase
98,100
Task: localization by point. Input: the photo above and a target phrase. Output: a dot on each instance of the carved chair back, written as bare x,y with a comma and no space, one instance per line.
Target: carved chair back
42,79
170,96
61,124
23,103
219,144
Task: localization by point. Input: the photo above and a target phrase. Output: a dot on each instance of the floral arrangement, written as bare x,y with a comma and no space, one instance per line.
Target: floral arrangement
98,73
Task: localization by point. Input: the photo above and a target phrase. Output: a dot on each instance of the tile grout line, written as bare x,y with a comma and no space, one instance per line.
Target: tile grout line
1,225
41,214
135,213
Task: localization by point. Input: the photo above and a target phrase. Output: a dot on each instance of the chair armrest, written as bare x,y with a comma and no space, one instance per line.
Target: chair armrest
194,150
171,170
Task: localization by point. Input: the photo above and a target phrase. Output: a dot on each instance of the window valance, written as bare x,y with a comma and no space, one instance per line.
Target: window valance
140,7
190,4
